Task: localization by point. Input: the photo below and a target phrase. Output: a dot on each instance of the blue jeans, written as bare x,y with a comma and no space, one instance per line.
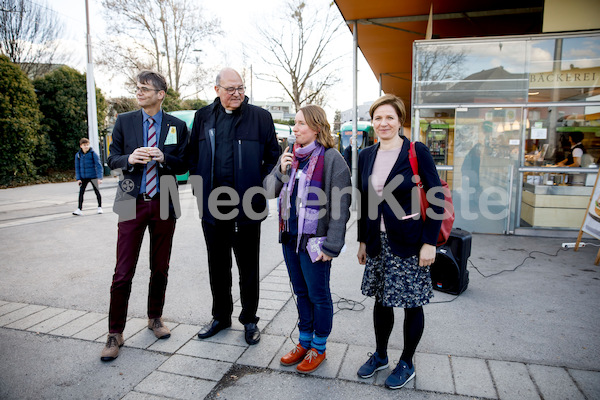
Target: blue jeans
311,286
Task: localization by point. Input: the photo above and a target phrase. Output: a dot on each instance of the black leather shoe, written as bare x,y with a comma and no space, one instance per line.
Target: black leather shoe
252,333
212,328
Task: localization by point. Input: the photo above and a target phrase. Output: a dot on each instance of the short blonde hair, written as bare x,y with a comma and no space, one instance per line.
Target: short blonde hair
393,101
316,119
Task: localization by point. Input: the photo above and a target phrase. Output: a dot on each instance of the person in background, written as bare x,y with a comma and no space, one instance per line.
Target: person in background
88,168
313,166
575,156
396,249
348,153
147,144
233,146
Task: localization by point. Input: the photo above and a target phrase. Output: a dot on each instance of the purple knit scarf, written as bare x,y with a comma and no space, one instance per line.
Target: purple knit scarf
310,179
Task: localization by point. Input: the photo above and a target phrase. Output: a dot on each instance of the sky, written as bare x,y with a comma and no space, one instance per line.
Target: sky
238,23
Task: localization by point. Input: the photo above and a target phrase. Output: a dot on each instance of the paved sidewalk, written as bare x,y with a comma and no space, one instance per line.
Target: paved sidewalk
532,333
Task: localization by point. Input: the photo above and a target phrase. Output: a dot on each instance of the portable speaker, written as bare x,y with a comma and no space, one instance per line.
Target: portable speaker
449,272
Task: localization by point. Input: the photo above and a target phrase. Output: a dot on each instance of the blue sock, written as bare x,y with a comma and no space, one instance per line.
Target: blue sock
319,344
305,339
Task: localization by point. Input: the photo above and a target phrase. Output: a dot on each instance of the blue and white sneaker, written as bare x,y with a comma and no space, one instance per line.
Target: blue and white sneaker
375,363
400,376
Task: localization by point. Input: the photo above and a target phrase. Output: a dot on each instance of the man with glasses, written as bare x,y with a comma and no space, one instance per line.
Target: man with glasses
232,147
147,144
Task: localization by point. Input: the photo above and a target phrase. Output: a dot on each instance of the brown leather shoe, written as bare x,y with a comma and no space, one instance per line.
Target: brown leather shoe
294,356
159,328
311,362
111,349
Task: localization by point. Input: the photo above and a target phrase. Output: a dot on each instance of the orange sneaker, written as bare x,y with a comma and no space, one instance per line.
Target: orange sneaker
294,356
311,362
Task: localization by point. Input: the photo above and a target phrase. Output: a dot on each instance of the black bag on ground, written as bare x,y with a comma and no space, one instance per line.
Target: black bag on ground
449,272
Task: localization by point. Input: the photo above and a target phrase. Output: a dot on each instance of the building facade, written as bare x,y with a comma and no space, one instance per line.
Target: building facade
497,114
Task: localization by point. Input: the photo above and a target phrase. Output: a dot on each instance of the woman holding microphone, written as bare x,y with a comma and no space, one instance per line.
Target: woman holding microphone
312,227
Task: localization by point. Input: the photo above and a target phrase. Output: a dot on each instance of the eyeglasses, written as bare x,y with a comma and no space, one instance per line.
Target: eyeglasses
145,90
232,90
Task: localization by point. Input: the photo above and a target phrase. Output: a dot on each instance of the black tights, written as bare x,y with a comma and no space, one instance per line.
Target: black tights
414,323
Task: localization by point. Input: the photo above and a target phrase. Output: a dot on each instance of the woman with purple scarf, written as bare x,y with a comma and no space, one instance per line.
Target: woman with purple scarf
314,189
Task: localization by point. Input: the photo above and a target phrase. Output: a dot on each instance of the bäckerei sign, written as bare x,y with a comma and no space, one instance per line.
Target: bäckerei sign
573,78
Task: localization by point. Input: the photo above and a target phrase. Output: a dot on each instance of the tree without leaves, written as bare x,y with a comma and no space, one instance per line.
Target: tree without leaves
28,34
300,54
161,35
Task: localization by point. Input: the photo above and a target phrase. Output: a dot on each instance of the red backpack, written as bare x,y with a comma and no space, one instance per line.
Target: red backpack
448,206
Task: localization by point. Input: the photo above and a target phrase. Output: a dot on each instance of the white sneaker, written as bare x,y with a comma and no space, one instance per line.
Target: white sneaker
100,210
77,212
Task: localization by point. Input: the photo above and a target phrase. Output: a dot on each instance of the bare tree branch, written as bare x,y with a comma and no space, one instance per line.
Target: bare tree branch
299,54
28,35
161,34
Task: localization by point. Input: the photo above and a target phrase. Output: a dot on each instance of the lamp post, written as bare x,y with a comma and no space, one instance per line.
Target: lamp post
91,89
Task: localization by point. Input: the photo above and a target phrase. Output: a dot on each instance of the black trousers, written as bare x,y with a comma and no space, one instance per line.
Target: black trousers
84,183
221,238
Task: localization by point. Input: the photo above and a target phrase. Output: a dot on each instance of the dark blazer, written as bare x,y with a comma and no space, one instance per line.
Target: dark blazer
128,135
405,236
255,153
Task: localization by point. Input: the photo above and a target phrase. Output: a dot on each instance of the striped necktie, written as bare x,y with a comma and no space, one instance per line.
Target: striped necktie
151,166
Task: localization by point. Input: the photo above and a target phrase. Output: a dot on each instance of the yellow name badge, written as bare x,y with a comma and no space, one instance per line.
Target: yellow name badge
171,136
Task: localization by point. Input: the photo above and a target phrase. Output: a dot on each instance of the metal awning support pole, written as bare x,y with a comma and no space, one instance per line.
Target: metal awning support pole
354,113
91,90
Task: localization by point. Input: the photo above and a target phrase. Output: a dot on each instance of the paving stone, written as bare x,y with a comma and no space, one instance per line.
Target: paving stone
274,294
132,327
393,357
276,279
141,396
77,325
211,370
278,287
355,357
94,331
180,335
212,350
433,373
261,354
21,313
145,337
261,313
136,325
229,336
513,380
10,307
56,321
271,304
175,386
279,273
588,382
472,377
329,368
36,318
554,383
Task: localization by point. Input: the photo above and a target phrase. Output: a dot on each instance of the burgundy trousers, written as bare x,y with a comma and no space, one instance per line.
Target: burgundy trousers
129,242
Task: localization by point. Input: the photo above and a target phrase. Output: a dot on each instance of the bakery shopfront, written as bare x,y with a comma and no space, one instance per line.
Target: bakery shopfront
513,124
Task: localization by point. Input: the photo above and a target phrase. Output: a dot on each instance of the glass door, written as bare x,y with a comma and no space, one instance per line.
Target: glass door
487,143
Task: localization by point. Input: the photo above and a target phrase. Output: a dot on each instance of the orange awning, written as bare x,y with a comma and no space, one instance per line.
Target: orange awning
388,28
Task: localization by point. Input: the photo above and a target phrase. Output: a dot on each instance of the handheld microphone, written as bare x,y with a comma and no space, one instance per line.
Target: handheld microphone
291,140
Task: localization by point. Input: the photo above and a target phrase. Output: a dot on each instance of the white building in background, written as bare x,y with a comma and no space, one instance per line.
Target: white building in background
363,112
279,109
